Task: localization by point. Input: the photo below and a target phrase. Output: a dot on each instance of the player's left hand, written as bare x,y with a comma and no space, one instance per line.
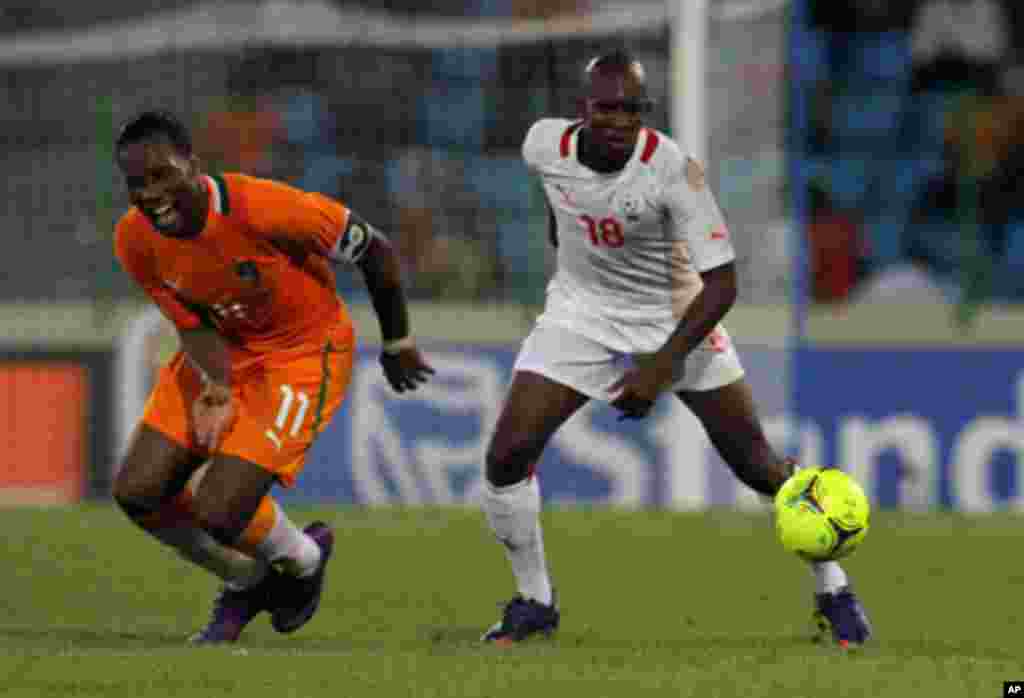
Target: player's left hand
212,415
639,388
405,369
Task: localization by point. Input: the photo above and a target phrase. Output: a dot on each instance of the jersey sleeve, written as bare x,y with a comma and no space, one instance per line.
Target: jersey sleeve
529,148
541,144
277,211
135,258
695,216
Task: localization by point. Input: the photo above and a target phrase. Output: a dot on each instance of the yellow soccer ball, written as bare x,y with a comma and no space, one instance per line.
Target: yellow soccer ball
821,514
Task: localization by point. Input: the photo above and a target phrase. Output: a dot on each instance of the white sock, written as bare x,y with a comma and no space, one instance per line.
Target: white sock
829,577
514,515
289,547
237,569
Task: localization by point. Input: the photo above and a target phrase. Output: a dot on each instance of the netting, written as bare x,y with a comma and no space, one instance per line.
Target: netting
412,117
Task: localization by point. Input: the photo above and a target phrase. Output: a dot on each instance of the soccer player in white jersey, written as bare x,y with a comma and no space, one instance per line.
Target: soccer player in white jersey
645,275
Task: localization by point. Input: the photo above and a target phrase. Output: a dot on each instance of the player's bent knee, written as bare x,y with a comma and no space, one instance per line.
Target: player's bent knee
508,464
133,497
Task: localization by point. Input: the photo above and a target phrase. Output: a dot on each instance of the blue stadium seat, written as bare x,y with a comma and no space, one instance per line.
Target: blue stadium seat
866,121
455,112
1015,245
1008,277
884,235
897,184
307,122
925,120
848,179
884,56
937,243
499,182
905,176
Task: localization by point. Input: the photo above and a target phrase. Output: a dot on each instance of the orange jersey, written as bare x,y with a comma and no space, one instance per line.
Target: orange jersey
258,272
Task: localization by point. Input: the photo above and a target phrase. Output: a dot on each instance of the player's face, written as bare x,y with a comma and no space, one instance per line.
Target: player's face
162,183
614,112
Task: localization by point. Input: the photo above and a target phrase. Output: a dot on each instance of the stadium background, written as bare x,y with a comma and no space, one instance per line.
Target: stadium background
864,176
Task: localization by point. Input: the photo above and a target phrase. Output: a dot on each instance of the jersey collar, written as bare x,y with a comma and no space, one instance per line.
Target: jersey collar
218,191
646,143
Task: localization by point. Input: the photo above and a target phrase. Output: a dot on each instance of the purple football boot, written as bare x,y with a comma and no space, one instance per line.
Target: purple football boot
523,619
843,614
297,598
233,609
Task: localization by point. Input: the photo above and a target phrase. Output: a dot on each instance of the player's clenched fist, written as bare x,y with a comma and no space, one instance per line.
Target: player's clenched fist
212,414
639,389
405,368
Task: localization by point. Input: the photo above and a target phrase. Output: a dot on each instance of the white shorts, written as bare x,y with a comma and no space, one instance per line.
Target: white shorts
590,367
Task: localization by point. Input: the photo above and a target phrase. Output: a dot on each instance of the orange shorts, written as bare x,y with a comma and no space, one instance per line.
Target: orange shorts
282,402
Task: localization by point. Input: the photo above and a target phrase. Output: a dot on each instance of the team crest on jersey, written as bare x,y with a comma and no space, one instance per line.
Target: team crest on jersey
566,195
247,271
631,205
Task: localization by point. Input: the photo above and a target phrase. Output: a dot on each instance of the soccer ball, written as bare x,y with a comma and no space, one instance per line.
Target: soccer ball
821,514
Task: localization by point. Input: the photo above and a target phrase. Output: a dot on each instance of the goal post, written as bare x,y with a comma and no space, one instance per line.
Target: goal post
689,29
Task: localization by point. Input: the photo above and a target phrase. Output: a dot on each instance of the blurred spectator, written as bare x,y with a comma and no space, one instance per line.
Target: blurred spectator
857,93
836,248
309,128
545,9
912,128
456,268
437,224
956,50
958,44
429,182
980,133
933,239
1000,142
859,45
454,194
951,233
976,196
239,133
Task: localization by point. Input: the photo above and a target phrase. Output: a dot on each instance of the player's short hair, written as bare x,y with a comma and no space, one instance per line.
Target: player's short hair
155,124
617,59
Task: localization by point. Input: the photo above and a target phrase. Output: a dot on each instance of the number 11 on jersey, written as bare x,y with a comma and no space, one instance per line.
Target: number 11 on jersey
289,396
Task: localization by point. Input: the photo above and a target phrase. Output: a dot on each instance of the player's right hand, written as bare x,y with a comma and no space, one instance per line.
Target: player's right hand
212,414
405,369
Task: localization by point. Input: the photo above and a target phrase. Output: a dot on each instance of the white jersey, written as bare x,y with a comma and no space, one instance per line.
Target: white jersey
631,244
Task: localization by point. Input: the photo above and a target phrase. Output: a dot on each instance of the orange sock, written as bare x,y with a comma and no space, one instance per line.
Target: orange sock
260,526
174,525
273,537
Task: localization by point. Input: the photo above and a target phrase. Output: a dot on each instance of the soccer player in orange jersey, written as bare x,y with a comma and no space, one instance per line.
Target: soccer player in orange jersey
244,268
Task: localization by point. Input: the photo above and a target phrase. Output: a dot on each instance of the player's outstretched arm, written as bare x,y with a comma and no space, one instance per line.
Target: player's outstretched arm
403,365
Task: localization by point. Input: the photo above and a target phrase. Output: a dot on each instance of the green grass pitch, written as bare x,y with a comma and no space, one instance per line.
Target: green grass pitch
654,603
